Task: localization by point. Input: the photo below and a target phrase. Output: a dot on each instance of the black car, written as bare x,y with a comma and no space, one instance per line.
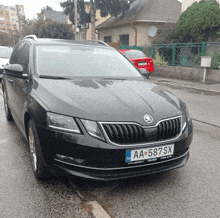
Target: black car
87,111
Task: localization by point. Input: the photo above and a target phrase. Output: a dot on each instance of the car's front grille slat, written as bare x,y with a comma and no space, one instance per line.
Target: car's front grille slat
124,134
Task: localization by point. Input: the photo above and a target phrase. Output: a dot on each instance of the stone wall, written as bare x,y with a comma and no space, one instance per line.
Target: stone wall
186,73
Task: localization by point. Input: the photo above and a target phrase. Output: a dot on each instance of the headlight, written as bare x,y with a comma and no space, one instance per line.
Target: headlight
186,119
187,115
62,123
93,129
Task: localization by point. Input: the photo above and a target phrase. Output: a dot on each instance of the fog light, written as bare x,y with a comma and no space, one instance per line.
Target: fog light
69,159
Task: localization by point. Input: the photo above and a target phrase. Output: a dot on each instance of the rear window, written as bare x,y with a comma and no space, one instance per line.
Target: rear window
134,54
5,52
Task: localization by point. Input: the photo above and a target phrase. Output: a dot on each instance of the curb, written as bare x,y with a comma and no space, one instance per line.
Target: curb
190,87
97,210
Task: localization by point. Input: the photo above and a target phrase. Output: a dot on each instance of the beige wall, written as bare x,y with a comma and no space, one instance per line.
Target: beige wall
142,33
187,3
186,73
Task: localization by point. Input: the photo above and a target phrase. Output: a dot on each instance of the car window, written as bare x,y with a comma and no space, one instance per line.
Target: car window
15,53
23,58
72,61
134,54
5,52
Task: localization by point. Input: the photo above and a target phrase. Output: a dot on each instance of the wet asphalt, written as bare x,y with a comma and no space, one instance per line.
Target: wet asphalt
191,191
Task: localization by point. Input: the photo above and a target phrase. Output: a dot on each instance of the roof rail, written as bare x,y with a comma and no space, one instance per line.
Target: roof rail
97,41
30,37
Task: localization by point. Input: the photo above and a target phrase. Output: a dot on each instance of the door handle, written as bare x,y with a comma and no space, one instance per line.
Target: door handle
11,80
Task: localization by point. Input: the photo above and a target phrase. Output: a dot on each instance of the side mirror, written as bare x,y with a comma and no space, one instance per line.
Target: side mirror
15,70
144,72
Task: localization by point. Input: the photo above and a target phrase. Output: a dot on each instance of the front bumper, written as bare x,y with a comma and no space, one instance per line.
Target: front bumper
108,175
87,157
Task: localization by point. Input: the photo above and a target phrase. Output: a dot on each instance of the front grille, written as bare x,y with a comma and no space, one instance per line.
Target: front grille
135,134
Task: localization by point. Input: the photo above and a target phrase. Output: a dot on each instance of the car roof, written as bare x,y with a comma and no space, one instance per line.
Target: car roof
40,41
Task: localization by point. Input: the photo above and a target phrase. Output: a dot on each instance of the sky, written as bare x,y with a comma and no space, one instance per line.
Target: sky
31,8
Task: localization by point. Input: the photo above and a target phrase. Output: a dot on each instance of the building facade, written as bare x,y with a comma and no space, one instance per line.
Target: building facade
57,16
146,22
9,17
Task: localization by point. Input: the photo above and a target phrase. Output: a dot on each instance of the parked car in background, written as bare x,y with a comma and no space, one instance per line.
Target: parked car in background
87,111
5,53
139,59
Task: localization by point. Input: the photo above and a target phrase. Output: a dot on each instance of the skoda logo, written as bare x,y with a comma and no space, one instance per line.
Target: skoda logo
148,118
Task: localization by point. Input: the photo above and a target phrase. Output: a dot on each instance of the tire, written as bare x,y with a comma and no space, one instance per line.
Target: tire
39,169
7,110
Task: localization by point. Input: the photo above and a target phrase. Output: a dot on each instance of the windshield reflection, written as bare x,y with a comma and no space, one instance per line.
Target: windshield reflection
83,61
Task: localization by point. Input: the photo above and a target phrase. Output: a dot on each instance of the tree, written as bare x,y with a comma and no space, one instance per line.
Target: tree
69,10
9,38
4,39
113,7
56,30
48,8
199,22
46,28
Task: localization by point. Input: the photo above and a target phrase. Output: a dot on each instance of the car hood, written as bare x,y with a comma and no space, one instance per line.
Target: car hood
3,61
107,100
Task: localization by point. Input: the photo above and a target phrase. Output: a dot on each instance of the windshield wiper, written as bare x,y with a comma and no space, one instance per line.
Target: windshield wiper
109,78
52,77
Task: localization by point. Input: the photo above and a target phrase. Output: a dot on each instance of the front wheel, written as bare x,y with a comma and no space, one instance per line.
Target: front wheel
38,166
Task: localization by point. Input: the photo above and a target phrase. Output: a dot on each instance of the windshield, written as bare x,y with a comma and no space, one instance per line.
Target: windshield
5,52
86,61
134,54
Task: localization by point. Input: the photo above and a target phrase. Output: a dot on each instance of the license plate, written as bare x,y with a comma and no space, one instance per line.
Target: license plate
142,64
150,154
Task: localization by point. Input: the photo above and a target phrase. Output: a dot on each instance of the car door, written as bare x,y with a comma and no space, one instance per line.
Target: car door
20,88
9,79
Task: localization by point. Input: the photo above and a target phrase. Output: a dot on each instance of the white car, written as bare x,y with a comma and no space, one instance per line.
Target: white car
5,53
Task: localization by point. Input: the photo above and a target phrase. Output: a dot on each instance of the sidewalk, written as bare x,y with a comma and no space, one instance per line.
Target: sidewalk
207,87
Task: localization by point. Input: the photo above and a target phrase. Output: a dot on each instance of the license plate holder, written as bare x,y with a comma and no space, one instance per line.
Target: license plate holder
142,63
149,154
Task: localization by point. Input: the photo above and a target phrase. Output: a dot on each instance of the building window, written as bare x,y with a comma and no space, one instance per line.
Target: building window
124,39
2,18
107,39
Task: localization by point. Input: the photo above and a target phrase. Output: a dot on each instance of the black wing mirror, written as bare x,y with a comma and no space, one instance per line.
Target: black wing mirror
15,70
144,72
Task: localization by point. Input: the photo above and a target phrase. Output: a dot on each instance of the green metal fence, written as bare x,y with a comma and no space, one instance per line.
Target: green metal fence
130,47
186,54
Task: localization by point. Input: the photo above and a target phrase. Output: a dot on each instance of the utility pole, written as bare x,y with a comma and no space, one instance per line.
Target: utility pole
93,13
19,22
75,19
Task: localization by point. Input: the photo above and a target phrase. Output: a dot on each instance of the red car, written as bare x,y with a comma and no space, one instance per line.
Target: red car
139,59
